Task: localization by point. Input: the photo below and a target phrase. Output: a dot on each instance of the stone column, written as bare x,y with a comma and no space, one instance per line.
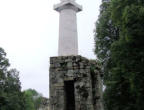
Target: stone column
68,41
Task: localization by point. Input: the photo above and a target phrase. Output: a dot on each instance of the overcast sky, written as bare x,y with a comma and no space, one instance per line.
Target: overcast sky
29,35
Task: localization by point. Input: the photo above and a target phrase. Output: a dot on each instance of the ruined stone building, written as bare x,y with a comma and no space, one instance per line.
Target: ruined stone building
75,84
75,81
45,104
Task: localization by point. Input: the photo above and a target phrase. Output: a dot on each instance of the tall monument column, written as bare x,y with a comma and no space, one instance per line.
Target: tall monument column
68,40
75,81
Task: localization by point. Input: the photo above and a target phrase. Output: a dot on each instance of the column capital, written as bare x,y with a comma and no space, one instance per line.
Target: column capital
68,4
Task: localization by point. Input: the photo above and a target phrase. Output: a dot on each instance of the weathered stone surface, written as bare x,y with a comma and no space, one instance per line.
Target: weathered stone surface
44,104
86,77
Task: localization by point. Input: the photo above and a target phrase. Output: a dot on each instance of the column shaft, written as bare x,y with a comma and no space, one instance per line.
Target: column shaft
68,41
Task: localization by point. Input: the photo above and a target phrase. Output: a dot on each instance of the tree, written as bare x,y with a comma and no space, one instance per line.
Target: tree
105,34
33,99
124,72
11,97
128,54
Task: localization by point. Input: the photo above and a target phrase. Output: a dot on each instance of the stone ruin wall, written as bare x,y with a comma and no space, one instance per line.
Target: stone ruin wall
45,104
85,75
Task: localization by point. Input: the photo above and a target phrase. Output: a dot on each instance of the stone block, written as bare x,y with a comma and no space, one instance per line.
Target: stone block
69,65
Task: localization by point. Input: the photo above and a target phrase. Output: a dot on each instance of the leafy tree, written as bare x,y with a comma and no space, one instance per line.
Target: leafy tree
124,72
11,97
105,34
128,55
33,99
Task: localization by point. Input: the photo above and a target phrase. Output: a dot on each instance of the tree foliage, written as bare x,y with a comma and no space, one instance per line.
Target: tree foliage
123,65
33,99
11,97
105,34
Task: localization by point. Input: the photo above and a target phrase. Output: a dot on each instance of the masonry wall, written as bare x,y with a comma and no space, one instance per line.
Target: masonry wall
86,76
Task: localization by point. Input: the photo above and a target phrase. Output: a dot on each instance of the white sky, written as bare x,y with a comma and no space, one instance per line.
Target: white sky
29,35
